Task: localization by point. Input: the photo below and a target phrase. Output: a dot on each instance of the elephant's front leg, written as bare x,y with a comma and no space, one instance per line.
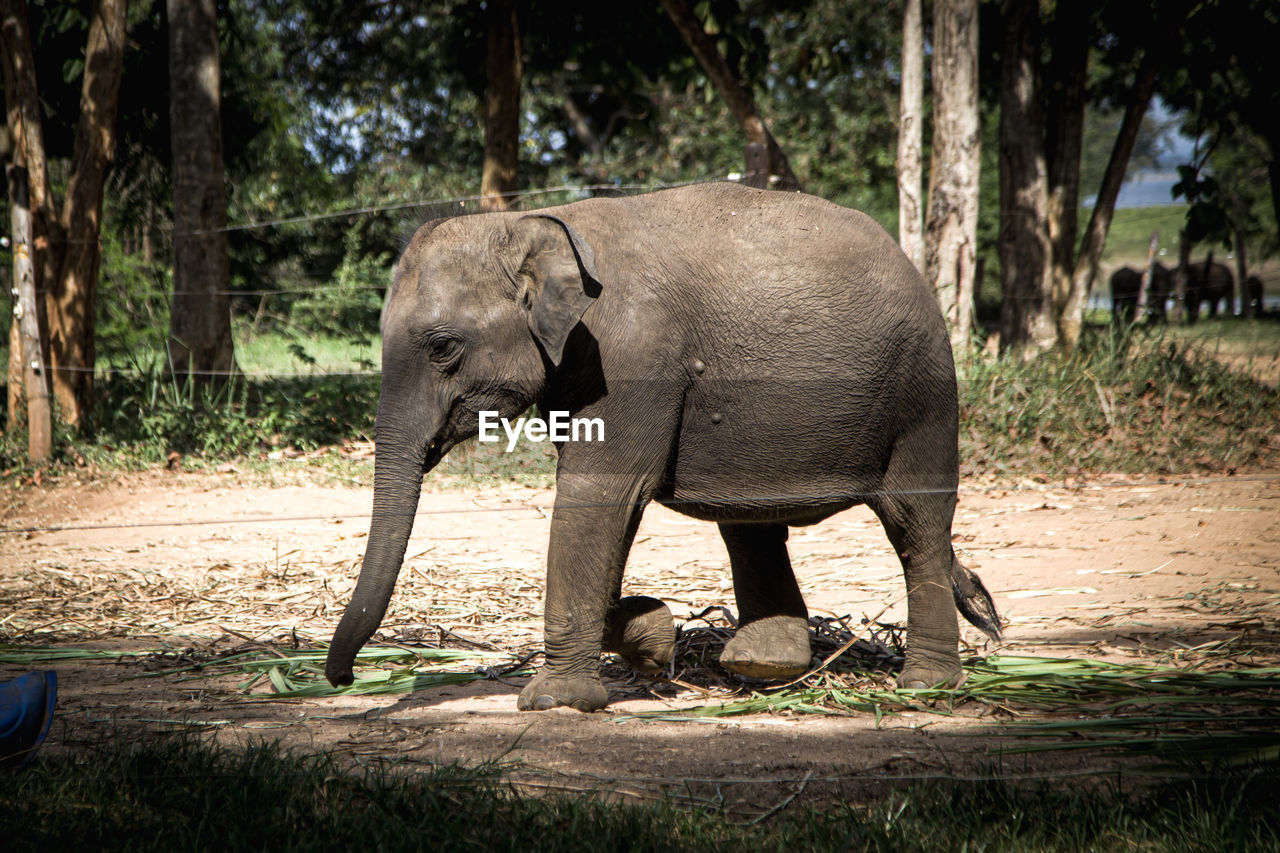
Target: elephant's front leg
592,527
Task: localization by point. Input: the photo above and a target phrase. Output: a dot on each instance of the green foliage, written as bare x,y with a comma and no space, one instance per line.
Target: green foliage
142,418
1122,402
133,307
144,795
351,304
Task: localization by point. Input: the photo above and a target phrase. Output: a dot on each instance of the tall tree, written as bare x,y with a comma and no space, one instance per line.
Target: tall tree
911,136
1085,269
951,229
200,311
1066,89
504,69
1026,315
739,100
68,245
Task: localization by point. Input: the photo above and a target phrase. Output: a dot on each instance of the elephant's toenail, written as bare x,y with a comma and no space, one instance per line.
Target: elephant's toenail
544,703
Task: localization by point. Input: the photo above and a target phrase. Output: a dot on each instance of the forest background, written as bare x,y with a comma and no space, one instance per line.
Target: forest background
330,129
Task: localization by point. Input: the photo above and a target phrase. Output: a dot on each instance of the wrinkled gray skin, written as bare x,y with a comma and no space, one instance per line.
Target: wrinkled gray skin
1210,282
1126,284
759,360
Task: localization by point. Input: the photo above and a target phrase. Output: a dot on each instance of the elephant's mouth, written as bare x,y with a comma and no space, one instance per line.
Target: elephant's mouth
435,452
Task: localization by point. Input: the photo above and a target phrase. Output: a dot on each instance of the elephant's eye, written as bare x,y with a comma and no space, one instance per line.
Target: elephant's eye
444,351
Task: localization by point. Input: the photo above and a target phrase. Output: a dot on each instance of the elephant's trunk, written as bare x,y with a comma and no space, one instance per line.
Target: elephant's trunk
397,487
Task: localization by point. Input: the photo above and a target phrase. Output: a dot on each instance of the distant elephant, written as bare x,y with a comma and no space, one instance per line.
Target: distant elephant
1126,285
758,359
1209,282
1253,295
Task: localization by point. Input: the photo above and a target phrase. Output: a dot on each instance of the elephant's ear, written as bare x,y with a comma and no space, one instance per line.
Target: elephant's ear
559,275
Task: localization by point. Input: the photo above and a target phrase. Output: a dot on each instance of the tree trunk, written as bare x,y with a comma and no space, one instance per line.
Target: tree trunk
951,230
1026,315
1066,88
1180,273
1095,238
39,422
504,69
200,345
67,248
911,136
73,299
738,99
26,128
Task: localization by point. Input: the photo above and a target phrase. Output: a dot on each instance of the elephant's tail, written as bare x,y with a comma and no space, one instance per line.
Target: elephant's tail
973,601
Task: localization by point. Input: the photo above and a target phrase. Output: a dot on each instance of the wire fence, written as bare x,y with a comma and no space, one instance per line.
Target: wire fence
459,204
857,498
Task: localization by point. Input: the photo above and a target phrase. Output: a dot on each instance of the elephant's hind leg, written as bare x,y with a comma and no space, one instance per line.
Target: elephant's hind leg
772,640
918,523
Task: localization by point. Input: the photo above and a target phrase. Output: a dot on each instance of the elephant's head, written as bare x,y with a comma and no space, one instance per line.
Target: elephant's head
477,317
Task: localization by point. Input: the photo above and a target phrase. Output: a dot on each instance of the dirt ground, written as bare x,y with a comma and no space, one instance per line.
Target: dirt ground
1172,571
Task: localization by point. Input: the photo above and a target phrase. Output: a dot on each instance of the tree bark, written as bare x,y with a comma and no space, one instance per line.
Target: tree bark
67,248
735,95
951,229
1064,135
504,69
200,344
911,136
26,128
73,299
1086,266
1026,315
30,354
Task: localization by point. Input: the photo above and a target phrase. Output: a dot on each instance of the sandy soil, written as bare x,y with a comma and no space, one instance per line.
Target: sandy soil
1171,571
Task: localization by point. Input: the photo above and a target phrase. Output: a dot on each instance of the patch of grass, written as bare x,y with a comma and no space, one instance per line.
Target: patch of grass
188,793
274,354
1131,229
1229,336
1225,715
1135,403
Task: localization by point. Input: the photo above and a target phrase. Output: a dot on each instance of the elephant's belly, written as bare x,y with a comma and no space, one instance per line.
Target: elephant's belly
789,472
754,508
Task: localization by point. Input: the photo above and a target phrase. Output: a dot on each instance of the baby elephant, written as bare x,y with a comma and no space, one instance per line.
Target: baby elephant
756,359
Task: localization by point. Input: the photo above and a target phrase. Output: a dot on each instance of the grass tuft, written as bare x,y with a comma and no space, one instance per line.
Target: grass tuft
186,792
1136,403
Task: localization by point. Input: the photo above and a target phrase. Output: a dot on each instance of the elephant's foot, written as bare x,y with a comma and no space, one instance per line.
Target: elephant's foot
642,630
925,670
776,648
552,691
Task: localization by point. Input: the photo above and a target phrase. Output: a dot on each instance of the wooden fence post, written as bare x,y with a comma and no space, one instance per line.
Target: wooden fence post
35,380
1148,273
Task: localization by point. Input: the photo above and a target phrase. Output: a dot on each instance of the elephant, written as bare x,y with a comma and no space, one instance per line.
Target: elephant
1126,283
1126,286
1125,290
758,359
1253,296
1208,282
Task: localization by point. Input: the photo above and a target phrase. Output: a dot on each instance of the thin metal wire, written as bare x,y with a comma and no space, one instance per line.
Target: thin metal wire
858,497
